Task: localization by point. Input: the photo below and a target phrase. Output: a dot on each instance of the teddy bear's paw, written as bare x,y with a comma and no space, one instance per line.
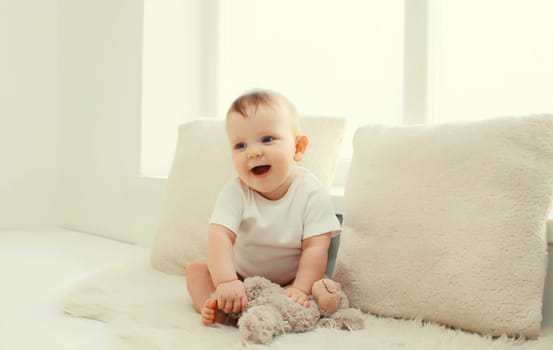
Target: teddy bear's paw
353,319
259,325
328,295
349,319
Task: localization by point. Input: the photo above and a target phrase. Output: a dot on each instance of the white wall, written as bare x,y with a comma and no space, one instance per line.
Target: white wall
70,109
29,112
100,120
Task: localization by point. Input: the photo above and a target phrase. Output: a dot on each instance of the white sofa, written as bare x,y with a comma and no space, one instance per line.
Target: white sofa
41,266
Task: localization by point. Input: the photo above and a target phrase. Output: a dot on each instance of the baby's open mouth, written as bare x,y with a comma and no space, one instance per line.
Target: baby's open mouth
260,170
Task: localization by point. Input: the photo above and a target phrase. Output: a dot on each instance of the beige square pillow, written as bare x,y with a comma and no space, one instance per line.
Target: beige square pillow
447,223
201,167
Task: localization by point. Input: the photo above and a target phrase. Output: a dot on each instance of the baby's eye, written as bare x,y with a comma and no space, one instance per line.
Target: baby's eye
267,139
240,145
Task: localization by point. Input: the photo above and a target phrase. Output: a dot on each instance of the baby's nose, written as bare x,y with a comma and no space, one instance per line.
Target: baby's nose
254,154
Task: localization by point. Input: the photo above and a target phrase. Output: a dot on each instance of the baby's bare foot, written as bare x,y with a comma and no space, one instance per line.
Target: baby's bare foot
209,312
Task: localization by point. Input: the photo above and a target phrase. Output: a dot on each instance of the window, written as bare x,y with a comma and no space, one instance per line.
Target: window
491,58
371,61
336,58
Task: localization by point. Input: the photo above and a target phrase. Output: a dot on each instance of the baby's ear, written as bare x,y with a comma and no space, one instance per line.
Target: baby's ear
301,145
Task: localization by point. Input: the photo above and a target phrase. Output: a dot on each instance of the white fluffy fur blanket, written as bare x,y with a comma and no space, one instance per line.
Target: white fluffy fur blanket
147,309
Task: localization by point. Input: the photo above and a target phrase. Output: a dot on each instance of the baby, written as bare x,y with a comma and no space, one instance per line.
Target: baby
274,220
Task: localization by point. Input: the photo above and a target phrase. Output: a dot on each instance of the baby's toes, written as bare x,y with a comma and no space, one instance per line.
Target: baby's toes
209,311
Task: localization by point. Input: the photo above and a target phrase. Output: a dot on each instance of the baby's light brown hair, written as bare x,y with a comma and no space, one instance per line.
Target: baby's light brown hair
257,98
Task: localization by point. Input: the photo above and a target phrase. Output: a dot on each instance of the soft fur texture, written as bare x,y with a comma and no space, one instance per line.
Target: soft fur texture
447,223
270,312
440,222
201,167
146,309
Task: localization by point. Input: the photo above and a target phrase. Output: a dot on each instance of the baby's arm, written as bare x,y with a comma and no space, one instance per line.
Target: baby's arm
231,295
312,267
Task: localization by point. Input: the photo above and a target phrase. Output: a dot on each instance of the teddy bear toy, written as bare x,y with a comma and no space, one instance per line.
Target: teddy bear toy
270,312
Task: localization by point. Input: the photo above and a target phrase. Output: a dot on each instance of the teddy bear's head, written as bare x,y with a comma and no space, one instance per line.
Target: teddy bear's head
255,286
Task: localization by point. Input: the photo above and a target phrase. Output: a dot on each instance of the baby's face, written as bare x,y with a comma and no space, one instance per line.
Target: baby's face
263,148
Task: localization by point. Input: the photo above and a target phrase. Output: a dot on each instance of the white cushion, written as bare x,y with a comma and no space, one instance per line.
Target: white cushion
201,167
447,223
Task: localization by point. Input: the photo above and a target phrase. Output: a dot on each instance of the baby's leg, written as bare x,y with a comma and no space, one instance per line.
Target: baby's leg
200,287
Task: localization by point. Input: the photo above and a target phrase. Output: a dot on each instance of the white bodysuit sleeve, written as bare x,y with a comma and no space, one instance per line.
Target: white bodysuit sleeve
228,206
320,216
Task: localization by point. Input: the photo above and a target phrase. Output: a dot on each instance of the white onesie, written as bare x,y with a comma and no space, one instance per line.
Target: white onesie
269,233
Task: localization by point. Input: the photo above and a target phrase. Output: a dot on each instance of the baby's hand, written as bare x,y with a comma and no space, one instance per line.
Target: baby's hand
297,295
231,296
